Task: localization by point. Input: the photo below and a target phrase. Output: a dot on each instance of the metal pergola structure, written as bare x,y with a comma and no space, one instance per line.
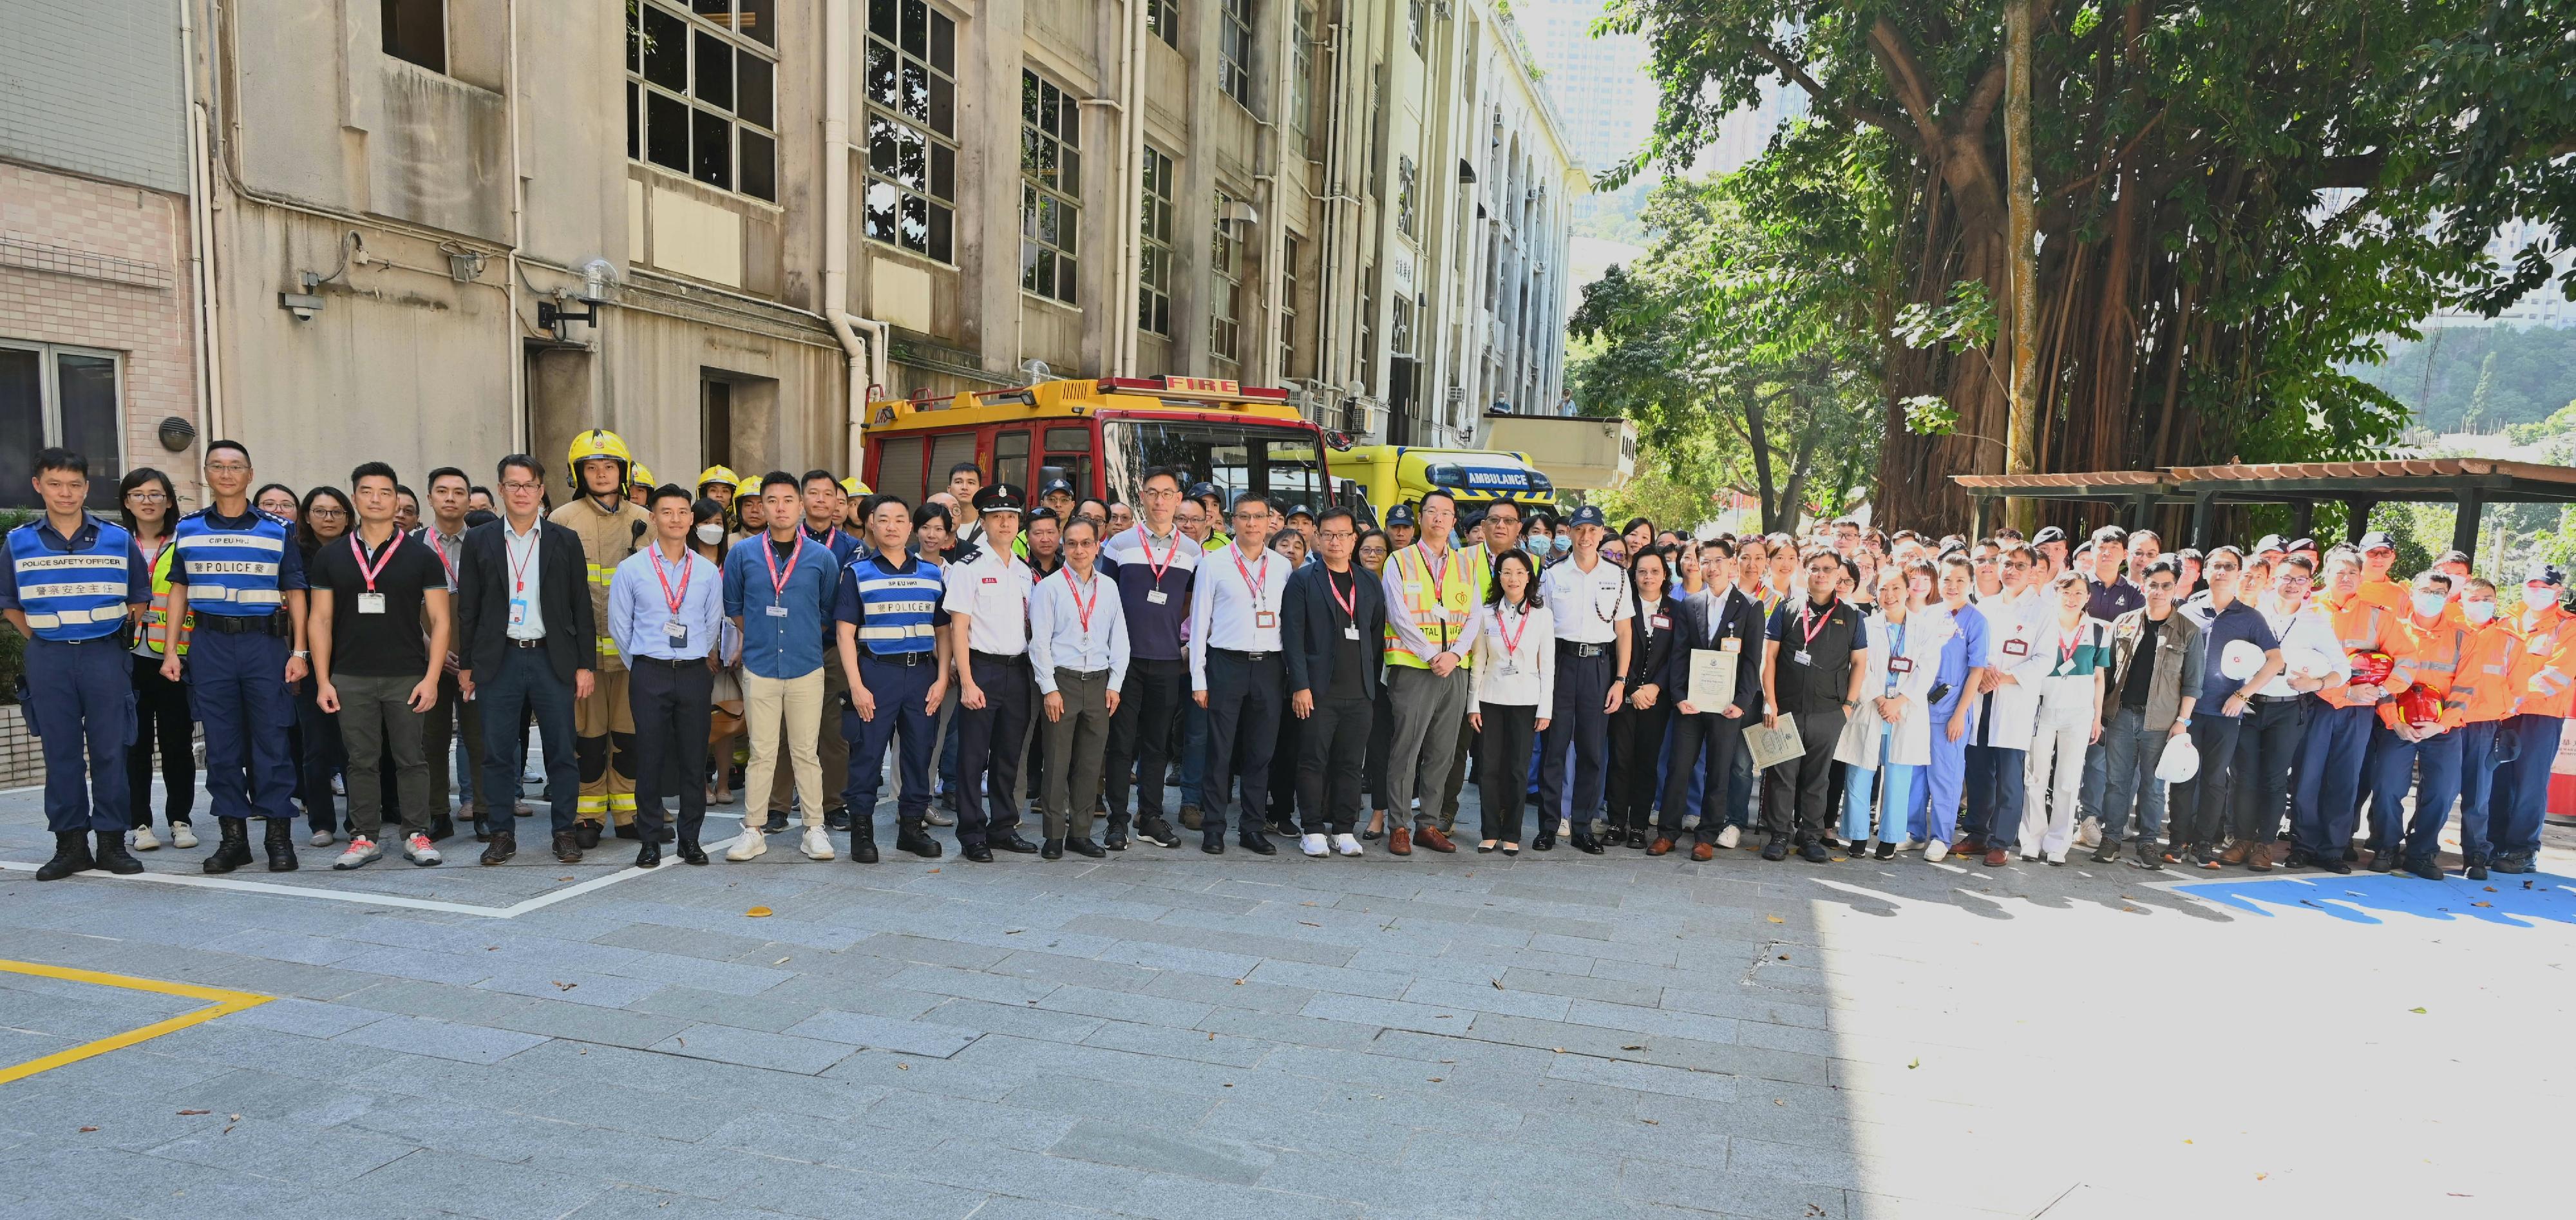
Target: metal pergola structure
2470,483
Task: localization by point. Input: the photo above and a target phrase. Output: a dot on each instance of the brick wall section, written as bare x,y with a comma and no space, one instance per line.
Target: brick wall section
154,328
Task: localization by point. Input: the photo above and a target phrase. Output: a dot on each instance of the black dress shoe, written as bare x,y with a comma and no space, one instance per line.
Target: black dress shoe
504,845
1587,845
917,841
691,853
627,831
1815,853
1637,839
649,856
836,819
863,847
2383,861
1776,849
1213,847
1054,850
1012,842
568,846
1546,840
2334,866
442,827
1085,847
1117,841
586,834
1257,843
977,852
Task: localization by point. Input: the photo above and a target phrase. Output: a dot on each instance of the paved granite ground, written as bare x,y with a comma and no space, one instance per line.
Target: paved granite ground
1170,1035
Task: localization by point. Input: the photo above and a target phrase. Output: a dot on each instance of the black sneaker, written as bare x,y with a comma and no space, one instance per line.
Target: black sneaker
1115,840
2383,861
836,819
2477,870
1158,832
2107,853
2148,858
1815,853
2424,867
777,821
1776,849
2337,867
1886,850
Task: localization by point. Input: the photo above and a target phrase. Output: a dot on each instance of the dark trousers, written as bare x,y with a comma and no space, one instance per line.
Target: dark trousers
80,705
1582,683
1722,740
1002,722
1381,746
1509,730
525,683
325,756
454,720
1793,799
1995,791
2477,784
2267,746
2390,775
670,705
2326,803
1461,764
160,717
375,720
1280,786
2520,801
2201,821
2438,759
899,691
1075,744
237,690
1332,751
1140,737
1244,705
1636,738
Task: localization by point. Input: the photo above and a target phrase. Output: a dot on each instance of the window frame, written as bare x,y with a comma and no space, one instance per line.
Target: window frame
1155,254
642,90
1234,50
1225,284
1408,218
49,406
1163,20
1287,304
1301,80
1060,257
938,212
392,33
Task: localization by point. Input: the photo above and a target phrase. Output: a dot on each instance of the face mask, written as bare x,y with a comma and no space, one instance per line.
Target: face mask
2478,612
1564,543
711,533
2429,604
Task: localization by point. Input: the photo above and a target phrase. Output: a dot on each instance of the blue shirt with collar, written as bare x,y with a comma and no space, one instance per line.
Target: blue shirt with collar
1968,641
639,608
2218,628
788,645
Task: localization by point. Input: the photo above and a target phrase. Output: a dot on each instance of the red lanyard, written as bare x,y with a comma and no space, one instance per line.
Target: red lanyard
674,599
1250,582
1145,543
383,557
1439,595
1078,606
2068,644
519,567
1511,639
439,549
1812,623
1351,607
777,579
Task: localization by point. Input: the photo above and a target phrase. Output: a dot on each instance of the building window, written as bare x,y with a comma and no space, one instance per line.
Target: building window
1288,364
1399,330
1163,20
1154,295
701,93
1368,327
1050,182
1301,79
67,396
1225,285
416,31
1234,50
912,127
1416,16
1404,196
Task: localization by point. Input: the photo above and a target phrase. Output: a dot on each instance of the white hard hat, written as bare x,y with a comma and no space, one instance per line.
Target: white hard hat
2240,659
2181,760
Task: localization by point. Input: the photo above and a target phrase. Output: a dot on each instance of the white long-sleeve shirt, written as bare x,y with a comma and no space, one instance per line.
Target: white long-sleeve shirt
1532,664
1058,637
1228,613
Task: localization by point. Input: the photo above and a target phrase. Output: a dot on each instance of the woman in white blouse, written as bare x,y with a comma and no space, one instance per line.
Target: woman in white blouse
1514,675
1890,736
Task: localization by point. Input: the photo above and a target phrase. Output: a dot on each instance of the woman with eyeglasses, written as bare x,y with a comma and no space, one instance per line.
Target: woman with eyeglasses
278,500
1637,728
1512,685
150,509
325,517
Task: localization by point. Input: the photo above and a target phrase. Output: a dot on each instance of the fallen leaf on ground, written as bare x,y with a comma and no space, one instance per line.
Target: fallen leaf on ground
563,878
1306,924
1638,1047
2481,904
1438,1079
903,1067
1014,932
1558,1049
195,1111
89,1128
1916,1064
2260,1176
934,870
758,912
1498,983
782,961
1779,1101
2417,1011
1775,919
561,985
1650,1122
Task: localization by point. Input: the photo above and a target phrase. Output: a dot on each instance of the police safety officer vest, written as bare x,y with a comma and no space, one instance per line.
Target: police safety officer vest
1439,602
896,607
156,616
231,573
75,595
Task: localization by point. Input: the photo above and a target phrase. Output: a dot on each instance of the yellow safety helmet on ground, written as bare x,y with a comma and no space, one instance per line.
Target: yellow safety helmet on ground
599,443
853,486
717,474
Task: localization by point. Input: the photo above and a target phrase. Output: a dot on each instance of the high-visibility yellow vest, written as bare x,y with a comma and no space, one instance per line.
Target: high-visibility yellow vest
1439,601
155,616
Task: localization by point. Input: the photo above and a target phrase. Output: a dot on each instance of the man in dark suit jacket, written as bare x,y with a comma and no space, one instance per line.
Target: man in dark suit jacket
530,642
1720,619
1333,628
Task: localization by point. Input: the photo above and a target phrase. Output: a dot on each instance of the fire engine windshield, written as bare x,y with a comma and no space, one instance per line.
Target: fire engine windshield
1276,460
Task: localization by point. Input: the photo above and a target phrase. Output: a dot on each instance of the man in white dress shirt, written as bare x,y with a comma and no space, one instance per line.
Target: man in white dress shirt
988,610
1078,648
1593,611
1235,672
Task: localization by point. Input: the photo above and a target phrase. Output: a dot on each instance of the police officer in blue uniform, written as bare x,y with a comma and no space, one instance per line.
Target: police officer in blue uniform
244,580
887,622
71,586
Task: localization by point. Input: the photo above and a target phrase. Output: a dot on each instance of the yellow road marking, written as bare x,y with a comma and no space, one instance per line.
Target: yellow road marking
223,1003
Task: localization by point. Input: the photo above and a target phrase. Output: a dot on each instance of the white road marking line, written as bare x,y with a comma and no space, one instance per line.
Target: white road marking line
382,900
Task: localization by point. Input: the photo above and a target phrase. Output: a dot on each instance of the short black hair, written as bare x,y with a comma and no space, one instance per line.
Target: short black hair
868,507
59,458
501,469
1084,522
967,468
401,490
473,490
776,477
672,491
235,446
1516,509
2165,563
1442,492
375,470
480,516
1042,513
1325,517
446,472
933,510
1180,478
1251,497
811,475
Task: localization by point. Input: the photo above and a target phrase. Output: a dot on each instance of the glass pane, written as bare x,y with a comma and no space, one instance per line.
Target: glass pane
715,71
943,171
719,12
1028,97
1069,172
666,131
1047,219
1063,278
1029,151
1069,122
881,204
943,44
759,21
881,19
712,137
634,122
759,165
22,422
914,100
666,50
881,74
634,40
916,28
939,234
1028,210
881,146
1045,279
1029,267
943,106
1072,226
908,168
755,89
92,421
915,226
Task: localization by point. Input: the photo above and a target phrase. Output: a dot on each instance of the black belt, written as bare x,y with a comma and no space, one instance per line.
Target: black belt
665,662
244,624
2275,698
515,642
1084,674
998,659
904,659
1582,650
113,637
1240,655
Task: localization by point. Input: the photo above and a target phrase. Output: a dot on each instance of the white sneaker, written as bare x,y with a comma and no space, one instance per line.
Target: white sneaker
2057,857
182,835
1565,828
2089,834
748,845
143,840
1906,845
1312,845
1346,845
1728,837
323,838
1937,852
421,851
817,845
339,787
362,852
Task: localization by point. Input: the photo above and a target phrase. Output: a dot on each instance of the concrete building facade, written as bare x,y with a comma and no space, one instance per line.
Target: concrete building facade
439,231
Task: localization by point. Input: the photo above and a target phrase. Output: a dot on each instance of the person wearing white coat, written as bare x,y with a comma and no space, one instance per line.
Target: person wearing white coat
1892,735
2077,650
2015,665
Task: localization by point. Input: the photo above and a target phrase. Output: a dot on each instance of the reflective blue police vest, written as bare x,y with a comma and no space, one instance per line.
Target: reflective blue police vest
896,607
75,595
232,572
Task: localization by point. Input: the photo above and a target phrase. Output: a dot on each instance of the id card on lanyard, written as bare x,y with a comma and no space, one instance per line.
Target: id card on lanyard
1255,586
372,602
675,631
777,579
1811,625
1145,542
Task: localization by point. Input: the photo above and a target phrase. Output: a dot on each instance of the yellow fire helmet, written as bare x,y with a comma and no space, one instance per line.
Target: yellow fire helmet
713,475
749,486
640,475
599,443
853,486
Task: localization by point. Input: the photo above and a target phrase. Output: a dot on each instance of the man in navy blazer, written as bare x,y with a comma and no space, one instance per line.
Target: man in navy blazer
1717,618
1333,628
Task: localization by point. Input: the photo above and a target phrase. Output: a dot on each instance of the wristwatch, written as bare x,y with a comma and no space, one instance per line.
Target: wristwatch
302,654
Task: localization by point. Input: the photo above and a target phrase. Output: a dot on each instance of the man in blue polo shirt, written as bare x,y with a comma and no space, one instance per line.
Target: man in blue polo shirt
71,585
886,620
2234,633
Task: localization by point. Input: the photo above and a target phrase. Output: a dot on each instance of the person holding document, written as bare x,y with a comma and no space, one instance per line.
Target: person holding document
1716,669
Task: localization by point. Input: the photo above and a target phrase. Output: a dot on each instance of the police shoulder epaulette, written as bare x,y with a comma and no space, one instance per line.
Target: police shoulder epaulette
968,552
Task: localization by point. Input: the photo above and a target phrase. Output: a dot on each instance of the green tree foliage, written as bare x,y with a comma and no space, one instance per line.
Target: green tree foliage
2479,378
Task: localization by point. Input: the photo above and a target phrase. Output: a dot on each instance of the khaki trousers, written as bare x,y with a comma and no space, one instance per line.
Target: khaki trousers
796,706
